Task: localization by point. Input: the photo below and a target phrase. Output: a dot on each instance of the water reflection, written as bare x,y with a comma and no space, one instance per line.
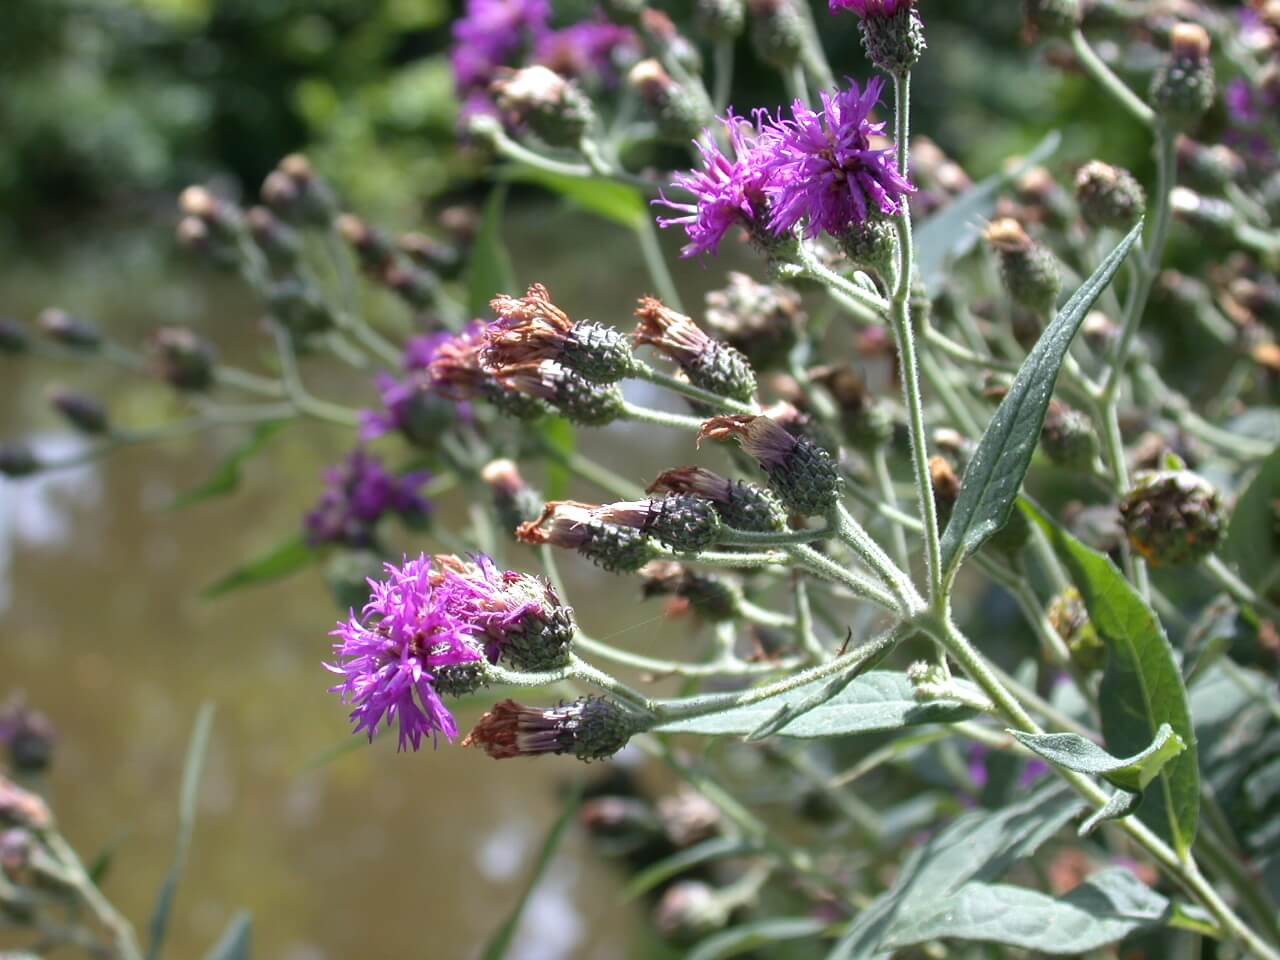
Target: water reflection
371,855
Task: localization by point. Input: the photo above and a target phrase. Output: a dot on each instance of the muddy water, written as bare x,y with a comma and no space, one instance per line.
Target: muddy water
372,854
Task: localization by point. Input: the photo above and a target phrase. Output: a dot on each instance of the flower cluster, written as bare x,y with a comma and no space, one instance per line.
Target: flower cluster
430,620
407,402
822,168
358,493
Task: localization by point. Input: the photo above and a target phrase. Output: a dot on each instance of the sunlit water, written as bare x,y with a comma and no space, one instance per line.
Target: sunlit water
371,854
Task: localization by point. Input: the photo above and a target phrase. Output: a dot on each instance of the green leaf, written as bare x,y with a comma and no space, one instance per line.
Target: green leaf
682,860
618,202
561,438
978,846
226,478
192,771
1142,686
500,942
1074,752
879,700
1119,804
234,944
747,937
994,475
491,272
1107,907
1252,539
277,563
952,232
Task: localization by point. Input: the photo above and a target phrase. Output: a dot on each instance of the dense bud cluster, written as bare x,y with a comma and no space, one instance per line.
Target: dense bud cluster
1172,517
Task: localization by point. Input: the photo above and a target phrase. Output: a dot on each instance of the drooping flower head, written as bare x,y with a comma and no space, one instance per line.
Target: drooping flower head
532,328
727,191
824,168
358,493
417,622
708,363
591,728
802,474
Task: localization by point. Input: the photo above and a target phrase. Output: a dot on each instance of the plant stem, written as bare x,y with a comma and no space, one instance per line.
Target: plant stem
660,417
828,569
297,392
901,318
722,66
753,538
884,481
642,371
120,929
1103,75
873,555
656,263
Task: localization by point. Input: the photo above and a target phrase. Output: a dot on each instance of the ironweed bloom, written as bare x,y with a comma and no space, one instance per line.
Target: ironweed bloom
823,168
708,363
803,475
458,374
417,623
741,505
591,51
569,393
591,728
578,526
490,34
532,328
358,493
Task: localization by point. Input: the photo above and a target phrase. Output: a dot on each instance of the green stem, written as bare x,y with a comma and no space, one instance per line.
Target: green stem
647,236
758,538
120,929
823,566
660,417
807,640
722,66
884,481
872,554
1239,591
642,371
1103,75
305,402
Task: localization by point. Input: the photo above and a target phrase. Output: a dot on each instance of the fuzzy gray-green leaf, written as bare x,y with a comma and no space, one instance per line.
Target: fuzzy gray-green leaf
1074,752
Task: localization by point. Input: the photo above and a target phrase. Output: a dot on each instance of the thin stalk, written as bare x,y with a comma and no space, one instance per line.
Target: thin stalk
120,929
758,538
764,616
659,667
656,263
1239,591
662,418
900,315
806,639
642,371
297,392
884,482
873,555
1103,75
828,569
722,69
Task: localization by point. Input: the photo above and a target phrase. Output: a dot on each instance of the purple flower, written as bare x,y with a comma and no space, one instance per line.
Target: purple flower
490,34
588,50
401,398
726,192
823,168
870,8
415,623
358,492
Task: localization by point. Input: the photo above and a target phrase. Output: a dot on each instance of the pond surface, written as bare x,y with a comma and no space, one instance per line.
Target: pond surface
371,854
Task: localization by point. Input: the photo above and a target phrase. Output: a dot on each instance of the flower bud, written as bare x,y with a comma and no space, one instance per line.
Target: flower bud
741,505
1053,18
1070,619
22,808
689,910
221,217
13,336
1172,517
276,239
456,373
577,526
1109,196
719,19
688,817
1068,437
1011,538
572,396
872,245
660,33
552,107
946,487
72,332
1209,168
892,35
1215,217
867,423
804,476
777,32
85,413
299,308
372,246
514,501
708,596
528,627
1029,270
684,523
418,288
679,111
590,728
431,254
29,735
17,460
306,198
620,824
1182,88
532,328
182,358
760,321
708,363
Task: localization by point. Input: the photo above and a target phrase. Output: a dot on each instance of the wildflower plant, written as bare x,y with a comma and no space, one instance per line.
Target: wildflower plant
865,458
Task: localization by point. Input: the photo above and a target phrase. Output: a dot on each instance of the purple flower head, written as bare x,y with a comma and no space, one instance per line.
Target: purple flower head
870,8
416,623
824,169
402,399
726,192
490,34
358,492
588,50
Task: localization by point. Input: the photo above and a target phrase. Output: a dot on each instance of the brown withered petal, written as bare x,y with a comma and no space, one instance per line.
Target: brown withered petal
761,437
693,480
563,523
673,333
534,306
496,731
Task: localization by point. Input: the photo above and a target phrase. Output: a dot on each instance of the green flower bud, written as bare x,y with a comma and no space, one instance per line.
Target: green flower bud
894,43
777,32
1029,270
708,363
1070,618
804,476
685,523
572,396
1209,168
276,239
1172,517
1068,437
709,596
13,336
182,358
690,910
590,728
1109,196
1215,217
720,19
680,112
514,501
741,505
72,332
1053,18
1183,87
532,328
579,526
17,460
85,413
552,107
760,321
872,245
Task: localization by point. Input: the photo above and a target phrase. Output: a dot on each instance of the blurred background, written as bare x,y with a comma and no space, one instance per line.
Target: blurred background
107,109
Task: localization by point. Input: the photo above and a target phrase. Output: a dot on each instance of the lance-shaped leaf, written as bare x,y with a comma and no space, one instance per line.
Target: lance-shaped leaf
1120,804
619,202
752,938
235,942
1107,907
1142,686
994,475
226,479
1074,752
277,563
1251,536
879,700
